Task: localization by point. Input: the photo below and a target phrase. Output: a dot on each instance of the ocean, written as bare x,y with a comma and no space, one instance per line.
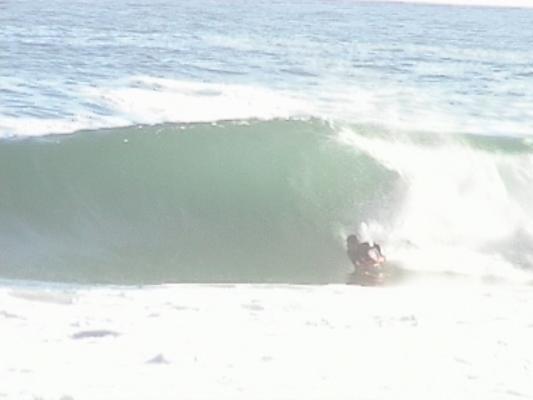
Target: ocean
177,181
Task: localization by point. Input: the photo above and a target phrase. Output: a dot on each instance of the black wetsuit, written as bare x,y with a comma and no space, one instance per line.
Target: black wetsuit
358,254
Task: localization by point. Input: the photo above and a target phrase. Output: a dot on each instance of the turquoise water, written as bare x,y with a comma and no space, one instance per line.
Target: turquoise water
241,141
263,201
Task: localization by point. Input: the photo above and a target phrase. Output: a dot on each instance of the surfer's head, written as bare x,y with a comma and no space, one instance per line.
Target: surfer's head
352,240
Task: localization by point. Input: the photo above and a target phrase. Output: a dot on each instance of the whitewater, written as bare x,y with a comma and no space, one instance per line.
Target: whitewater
177,181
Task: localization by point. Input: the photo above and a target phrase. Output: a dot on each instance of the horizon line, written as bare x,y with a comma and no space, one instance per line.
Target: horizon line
466,3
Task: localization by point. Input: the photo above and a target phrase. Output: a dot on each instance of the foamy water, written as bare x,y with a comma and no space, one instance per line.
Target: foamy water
459,210
282,342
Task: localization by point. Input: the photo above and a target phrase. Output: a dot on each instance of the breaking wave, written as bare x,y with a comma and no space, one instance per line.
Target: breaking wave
258,201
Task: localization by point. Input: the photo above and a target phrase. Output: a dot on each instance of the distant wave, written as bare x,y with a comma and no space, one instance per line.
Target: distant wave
148,101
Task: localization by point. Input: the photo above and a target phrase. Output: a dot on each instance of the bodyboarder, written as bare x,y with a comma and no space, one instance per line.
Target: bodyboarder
366,258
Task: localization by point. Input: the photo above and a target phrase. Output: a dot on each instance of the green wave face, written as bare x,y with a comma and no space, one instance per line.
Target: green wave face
254,202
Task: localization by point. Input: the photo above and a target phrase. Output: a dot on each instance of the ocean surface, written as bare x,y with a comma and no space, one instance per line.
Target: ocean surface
177,180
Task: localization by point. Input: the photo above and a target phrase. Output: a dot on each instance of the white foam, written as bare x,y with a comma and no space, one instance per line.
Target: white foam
153,100
410,108
269,342
149,100
28,126
457,210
